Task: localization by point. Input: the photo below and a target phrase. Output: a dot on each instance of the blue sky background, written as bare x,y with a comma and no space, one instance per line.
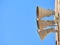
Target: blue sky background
18,22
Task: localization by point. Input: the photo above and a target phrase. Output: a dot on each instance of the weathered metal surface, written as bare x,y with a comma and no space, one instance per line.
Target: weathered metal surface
44,33
43,12
57,17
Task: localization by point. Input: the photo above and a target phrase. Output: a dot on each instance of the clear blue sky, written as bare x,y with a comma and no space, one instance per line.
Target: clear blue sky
18,22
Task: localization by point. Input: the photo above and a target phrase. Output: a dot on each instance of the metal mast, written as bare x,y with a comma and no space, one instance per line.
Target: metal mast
57,17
